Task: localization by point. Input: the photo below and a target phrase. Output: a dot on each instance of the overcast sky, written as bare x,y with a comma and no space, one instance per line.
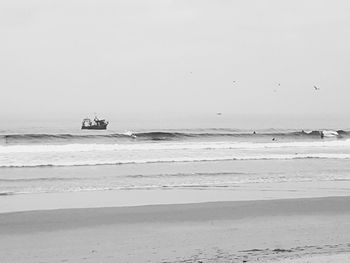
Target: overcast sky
181,56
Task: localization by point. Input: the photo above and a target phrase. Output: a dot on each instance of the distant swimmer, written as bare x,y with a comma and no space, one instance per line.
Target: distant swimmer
274,139
322,134
254,132
316,88
129,133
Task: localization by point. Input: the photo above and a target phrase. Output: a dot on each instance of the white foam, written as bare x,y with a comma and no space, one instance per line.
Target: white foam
330,133
87,162
98,154
168,146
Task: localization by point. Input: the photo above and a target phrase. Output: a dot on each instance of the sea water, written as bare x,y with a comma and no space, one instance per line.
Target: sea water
56,159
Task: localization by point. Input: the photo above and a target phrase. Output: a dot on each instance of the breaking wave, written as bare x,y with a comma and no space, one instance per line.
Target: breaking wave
41,150
48,163
164,136
71,148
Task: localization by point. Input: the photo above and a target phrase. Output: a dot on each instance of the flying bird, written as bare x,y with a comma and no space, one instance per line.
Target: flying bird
279,85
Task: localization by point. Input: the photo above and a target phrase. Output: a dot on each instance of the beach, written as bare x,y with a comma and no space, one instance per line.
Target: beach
180,196
241,231
174,131
189,196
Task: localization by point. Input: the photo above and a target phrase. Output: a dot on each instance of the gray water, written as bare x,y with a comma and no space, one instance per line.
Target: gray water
217,152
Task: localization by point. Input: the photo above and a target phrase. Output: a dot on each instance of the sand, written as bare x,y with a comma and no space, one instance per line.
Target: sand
317,259
124,198
250,231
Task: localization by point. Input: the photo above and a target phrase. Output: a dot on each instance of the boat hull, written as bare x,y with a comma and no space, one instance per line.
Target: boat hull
94,127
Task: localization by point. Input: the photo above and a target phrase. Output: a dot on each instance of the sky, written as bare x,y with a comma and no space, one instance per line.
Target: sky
163,57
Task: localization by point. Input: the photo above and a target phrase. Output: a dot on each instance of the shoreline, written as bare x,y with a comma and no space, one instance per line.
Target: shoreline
126,198
190,211
325,258
207,232
176,183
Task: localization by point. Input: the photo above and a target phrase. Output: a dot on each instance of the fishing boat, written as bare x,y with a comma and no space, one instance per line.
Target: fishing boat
96,124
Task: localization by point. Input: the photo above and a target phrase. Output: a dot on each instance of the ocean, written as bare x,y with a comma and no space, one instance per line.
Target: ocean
64,159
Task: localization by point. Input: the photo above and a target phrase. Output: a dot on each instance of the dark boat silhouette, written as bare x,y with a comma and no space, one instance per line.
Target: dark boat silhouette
97,124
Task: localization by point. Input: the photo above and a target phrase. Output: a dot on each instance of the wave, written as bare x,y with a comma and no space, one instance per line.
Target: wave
160,175
222,183
63,136
6,193
176,149
201,174
71,148
166,135
47,163
16,180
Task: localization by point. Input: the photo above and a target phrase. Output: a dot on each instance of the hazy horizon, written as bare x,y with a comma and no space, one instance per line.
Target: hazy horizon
158,58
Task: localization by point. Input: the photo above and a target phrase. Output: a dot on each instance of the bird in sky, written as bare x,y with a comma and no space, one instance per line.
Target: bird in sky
279,85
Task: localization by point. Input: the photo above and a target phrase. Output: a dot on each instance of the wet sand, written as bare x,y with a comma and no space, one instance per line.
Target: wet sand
239,231
331,258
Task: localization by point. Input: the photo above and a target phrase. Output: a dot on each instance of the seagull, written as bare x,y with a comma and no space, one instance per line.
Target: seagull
316,88
279,85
